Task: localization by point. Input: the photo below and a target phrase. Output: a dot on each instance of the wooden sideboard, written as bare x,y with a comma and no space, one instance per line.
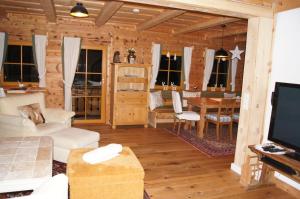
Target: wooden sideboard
129,94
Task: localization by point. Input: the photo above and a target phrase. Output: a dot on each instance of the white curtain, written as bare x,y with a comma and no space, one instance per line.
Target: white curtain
155,63
3,46
209,63
187,53
71,52
234,63
40,42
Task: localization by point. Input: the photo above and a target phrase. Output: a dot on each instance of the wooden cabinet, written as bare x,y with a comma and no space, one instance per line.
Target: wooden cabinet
129,94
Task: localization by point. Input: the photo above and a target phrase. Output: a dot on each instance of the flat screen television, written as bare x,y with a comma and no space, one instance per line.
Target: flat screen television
285,118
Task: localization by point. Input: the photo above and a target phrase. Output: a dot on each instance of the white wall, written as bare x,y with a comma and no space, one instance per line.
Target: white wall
286,57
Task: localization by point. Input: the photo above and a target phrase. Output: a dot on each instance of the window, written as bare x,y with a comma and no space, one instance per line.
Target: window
170,70
219,74
19,65
87,85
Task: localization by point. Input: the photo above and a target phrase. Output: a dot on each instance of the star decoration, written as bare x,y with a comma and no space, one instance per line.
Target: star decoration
236,53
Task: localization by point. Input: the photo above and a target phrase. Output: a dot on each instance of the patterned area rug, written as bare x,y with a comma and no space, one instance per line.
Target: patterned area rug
209,144
57,167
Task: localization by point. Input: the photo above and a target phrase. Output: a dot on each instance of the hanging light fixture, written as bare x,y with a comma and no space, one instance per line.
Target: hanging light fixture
79,11
221,53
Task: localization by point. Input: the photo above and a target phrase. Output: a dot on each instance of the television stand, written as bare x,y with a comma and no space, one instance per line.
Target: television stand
281,163
293,155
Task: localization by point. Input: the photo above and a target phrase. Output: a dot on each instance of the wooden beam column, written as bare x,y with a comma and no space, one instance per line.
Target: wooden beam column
108,10
49,9
255,86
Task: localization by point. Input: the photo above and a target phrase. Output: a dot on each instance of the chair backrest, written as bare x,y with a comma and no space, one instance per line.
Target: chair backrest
9,104
226,106
176,102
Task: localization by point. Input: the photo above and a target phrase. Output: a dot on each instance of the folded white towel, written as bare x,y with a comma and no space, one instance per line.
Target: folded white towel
102,154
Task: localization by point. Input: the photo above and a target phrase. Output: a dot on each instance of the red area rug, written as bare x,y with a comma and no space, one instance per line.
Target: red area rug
57,167
209,144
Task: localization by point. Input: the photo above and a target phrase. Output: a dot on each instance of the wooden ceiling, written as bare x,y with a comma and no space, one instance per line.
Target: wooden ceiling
153,18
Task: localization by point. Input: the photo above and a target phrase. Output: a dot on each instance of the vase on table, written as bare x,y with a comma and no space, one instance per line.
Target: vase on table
131,56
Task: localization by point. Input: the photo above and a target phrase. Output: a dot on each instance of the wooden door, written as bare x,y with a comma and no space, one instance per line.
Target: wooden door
89,86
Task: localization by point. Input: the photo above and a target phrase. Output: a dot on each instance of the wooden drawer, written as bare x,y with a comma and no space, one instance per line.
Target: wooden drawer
131,98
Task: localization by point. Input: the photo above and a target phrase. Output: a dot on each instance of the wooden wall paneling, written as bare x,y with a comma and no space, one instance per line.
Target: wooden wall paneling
255,83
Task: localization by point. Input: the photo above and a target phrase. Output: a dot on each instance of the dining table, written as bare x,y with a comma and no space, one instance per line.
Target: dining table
205,103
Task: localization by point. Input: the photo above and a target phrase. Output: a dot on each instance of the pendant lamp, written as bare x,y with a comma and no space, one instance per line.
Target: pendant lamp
221,53
79,11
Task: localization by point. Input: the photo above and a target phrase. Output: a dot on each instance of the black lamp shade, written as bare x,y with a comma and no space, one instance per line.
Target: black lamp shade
79,11
221,53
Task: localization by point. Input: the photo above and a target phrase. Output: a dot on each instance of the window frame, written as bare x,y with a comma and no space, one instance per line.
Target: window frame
228,77
14,84
178,53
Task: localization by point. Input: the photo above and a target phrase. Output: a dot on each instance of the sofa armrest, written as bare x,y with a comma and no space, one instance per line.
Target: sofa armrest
58,115
12,125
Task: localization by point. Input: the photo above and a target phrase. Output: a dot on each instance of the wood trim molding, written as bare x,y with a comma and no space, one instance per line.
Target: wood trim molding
204,25
108,10
49,9
164,16
223,7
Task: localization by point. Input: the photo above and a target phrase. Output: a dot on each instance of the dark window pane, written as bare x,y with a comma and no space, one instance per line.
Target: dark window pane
12,72
214,70
175,77
78,106
175,64
162,77
30,73
93,108
13,54
81,61
27,55
222,80
164,62
223,66
94,85
212,80
78,88
94,61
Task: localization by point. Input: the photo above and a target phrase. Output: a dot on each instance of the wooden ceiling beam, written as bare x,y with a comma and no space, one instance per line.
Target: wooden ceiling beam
49,9
108,10
282,5
228,33
164,16
222,7
204,25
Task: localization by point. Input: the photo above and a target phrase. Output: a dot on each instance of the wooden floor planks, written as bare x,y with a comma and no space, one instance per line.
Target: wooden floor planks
176,170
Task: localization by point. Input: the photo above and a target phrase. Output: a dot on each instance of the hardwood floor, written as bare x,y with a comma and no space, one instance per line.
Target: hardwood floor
176,170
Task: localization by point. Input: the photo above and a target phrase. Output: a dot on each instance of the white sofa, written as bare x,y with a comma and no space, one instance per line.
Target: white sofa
57,126
12,124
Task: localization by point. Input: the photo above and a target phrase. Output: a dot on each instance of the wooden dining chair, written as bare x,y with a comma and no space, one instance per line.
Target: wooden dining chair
182,116
236,115
222,117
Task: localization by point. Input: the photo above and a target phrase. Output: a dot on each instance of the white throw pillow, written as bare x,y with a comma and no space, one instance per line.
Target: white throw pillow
155,100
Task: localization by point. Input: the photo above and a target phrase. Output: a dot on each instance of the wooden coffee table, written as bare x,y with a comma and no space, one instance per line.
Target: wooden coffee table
25,162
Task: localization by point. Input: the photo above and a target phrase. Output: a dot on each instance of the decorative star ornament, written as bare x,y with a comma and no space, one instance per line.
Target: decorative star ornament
236,53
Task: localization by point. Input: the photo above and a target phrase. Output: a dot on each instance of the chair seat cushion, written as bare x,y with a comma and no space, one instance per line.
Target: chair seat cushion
188,115
236,116
214,117
71,138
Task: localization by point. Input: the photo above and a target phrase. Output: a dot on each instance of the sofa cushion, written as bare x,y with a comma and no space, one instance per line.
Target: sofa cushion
9,104
48,128
71,138
32,112
155,100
